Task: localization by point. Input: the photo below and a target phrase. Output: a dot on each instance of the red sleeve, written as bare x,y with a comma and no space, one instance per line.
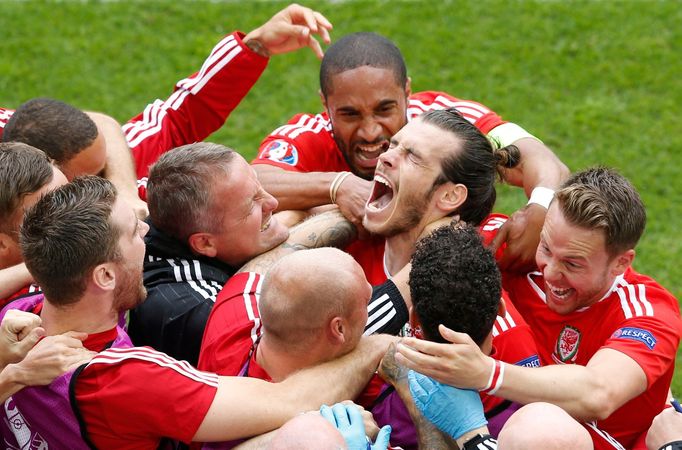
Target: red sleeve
233,325
480,115
138,395
488,230
304,144
5,114
651,340
199,105
513,339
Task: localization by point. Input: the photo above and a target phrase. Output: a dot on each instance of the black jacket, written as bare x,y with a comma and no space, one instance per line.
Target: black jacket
181,290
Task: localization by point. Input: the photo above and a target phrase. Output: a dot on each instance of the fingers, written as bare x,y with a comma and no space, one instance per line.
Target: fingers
76,335
354,414
328,414
79,358
341,415
499,239
383,438
20,323
29,341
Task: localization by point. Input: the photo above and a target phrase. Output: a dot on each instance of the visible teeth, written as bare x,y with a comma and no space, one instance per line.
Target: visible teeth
371,148
560,293
382,180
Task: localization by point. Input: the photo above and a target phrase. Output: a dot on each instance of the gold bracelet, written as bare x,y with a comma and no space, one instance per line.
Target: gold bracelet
336,183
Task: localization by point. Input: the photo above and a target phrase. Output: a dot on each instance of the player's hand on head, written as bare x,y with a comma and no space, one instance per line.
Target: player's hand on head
459,363
521,234
290,29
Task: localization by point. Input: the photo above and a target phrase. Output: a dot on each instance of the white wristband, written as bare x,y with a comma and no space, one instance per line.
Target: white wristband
336,184
542,196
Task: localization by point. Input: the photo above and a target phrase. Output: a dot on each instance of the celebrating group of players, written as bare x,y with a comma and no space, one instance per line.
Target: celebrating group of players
356,259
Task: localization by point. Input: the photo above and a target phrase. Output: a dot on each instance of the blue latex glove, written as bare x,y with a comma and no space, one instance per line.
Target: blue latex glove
454,411
348,420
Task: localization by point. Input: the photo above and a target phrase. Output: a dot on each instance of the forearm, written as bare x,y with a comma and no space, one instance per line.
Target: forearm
539,166
13,279
329,229
119,169
247,407
9,381
578,390
428,435
261,442
295,190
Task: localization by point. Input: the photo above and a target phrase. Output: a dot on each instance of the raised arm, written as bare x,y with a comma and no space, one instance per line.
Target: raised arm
539,172
119,168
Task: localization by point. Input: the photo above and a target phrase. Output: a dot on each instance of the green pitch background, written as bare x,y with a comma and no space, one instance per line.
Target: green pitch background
600,82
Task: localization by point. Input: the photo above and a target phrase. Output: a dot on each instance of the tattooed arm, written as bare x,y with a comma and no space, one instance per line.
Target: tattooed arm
329,229
428,436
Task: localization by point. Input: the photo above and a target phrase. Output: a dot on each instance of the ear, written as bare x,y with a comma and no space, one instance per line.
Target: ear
622,262
323,99
337,330
104,276
408,87
502,308
450,196
5,243
413,320
203,244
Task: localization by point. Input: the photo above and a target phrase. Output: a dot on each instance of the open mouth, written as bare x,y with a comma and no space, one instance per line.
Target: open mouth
382,194
367,154
560,294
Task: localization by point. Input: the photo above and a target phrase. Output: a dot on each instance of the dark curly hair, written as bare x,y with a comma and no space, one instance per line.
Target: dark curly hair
455,281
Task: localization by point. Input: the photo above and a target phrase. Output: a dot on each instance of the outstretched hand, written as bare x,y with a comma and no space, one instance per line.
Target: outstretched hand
290,29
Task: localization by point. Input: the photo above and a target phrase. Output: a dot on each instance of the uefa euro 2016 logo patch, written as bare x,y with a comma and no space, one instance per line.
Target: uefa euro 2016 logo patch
567,344
635,334
280,151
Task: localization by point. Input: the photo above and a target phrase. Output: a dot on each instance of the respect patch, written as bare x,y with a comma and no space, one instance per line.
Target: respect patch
636,334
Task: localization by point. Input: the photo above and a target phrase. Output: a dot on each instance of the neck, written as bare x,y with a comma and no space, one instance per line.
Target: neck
279,362
399,249
86,315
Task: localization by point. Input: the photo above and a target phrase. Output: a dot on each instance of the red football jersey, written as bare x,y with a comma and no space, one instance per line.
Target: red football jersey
306,143
637,317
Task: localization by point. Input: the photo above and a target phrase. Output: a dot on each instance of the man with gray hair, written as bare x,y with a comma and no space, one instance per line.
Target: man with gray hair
208,215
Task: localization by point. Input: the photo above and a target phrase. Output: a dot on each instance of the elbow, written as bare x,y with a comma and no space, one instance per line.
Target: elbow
598,404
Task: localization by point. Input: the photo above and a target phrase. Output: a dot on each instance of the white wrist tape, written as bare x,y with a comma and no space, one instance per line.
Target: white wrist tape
542,196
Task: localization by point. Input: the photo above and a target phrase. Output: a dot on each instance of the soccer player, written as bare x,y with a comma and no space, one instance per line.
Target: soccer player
85,248
199,105
607,333
26,173
209,215
317,159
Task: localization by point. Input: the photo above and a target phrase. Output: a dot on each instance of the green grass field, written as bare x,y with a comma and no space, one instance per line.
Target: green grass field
598,81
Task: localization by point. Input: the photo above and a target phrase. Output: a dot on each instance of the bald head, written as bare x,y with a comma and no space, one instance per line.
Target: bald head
307,432
306,289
